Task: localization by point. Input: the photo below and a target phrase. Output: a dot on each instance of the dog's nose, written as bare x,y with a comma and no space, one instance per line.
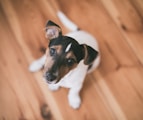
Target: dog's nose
50,77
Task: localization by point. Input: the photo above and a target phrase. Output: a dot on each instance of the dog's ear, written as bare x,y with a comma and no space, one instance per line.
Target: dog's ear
89,54
52,30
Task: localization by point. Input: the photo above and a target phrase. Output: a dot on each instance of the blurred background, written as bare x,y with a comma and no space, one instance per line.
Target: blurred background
112,92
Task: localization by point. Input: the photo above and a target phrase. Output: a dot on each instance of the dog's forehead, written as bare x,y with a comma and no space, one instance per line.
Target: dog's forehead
65,42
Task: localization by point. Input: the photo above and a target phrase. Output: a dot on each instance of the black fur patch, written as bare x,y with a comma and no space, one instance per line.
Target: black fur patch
50,23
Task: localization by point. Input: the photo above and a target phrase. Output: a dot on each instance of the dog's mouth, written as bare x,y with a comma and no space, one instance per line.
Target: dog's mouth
51,82
50,78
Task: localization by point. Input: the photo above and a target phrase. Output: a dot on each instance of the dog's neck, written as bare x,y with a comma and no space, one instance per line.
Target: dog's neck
70,78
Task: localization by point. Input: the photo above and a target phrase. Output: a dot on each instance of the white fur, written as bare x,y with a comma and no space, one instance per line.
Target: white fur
75,78
68,47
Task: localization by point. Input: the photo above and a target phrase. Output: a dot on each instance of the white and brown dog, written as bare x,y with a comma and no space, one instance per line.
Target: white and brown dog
68,58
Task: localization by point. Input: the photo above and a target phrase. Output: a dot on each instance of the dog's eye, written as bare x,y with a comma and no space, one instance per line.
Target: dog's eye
70,61
52,51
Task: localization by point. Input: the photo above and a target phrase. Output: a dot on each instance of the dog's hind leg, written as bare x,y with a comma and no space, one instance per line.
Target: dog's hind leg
37,64
67,22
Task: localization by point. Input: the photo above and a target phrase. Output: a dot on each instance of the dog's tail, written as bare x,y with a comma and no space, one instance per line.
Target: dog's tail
67,22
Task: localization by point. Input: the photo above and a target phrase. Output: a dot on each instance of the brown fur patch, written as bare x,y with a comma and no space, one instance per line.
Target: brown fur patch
49,62
70,55
64,70
58,48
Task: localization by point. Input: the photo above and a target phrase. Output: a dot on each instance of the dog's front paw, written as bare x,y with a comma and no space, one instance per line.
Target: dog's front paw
74,101
35,66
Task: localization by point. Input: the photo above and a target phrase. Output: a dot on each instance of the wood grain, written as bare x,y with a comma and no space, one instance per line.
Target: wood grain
112,92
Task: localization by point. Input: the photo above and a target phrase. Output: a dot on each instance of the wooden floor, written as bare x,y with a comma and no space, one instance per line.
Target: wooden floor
113,92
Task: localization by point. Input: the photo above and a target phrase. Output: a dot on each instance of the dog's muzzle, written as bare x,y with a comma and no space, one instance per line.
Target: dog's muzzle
50,78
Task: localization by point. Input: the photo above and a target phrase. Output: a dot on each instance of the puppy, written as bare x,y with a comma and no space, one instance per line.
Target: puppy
68,58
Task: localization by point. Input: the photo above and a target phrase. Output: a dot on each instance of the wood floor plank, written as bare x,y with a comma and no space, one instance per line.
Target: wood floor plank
135,77
21,97
108,96
126,95
138,6
129,19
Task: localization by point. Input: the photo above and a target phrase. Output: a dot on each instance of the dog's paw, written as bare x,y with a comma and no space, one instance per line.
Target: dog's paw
35,66
53,87
74,101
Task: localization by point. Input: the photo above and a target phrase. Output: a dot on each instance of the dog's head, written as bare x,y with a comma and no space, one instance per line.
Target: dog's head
63,54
